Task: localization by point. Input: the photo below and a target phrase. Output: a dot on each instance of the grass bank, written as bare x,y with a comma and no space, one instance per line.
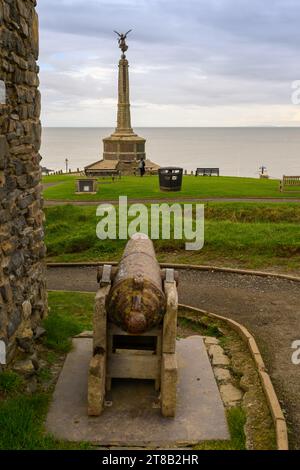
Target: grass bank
148,187
262,236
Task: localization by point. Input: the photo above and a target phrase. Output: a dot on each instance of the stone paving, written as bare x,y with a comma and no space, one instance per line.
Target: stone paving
231,395
133,417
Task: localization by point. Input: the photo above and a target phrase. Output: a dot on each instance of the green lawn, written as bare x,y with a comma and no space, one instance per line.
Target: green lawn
237,234
135,187
71,313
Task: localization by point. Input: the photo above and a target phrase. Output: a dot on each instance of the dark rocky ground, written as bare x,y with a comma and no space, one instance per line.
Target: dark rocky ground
268,307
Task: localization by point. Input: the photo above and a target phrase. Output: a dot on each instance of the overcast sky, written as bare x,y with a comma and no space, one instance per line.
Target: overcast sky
192,62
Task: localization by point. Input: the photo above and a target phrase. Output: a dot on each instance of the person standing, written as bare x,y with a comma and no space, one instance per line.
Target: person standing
142,166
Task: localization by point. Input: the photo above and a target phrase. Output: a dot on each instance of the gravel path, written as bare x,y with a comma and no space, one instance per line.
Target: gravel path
59,202
268,307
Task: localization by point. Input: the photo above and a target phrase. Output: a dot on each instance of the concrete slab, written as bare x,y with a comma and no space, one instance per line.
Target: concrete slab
134,418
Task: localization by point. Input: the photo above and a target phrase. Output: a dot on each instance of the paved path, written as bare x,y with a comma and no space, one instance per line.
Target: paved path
268,307
59,202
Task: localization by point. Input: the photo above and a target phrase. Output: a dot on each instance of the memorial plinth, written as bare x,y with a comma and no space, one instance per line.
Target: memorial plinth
124,145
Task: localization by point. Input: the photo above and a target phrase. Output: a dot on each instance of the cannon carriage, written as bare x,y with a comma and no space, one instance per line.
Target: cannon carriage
135,325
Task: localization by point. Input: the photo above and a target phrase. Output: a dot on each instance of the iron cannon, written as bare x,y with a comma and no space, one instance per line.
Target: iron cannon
136,302
135,324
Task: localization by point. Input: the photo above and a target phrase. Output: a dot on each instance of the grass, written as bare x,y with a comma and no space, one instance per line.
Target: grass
237,234
21,421
71,313
22,425
236,419
10,382
148,187
203,328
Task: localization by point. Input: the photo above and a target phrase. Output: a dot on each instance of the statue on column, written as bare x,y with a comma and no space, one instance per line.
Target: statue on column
122,42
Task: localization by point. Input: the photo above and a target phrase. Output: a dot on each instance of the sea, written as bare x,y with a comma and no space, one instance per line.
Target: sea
237,151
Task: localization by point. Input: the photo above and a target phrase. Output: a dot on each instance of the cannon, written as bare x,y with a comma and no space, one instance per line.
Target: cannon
136,301
134,326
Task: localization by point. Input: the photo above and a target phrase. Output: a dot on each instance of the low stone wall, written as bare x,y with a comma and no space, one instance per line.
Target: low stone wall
23,301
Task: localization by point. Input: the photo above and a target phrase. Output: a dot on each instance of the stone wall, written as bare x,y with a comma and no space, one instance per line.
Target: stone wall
23,301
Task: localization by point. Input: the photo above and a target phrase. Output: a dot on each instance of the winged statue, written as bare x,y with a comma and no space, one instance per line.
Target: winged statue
122,40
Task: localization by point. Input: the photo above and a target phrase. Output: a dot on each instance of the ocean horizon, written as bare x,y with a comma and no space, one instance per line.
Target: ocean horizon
237,151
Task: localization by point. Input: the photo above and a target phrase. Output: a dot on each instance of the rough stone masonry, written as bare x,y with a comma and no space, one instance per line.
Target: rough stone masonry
23,298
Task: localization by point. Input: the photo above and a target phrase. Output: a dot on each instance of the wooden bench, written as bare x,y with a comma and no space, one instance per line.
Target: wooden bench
289,181
207,172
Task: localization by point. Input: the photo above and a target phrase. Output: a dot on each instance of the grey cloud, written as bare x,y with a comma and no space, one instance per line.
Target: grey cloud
196,52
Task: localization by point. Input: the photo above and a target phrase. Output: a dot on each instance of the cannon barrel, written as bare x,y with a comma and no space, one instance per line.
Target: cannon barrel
136,301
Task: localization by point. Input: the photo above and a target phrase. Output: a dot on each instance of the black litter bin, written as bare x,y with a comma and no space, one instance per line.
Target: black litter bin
170,178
